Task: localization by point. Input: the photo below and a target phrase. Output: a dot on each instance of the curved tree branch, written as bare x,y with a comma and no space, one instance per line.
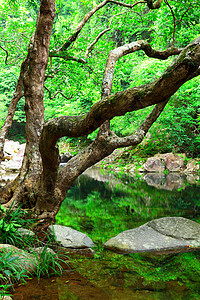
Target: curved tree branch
117,53
185,67
59,92
91,46
135,139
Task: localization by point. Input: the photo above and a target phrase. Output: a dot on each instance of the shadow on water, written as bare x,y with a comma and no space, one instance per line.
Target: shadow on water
103,205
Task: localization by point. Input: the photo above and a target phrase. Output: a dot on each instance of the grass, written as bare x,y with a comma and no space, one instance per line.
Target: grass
10,271
47,261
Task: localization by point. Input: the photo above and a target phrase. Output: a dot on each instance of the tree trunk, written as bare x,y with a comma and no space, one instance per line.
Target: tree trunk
22,190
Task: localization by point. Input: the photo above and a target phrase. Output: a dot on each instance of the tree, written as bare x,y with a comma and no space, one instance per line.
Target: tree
40,185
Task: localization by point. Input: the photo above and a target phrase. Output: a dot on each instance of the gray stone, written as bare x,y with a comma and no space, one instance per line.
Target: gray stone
44,254
193,178
70,238
174,162
168,161
41,250
11,147
26,232
159,235
154,164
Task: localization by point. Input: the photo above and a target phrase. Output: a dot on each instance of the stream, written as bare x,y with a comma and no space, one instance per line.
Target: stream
105,204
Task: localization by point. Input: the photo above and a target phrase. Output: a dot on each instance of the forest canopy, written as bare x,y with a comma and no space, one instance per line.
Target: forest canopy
72,67
71,88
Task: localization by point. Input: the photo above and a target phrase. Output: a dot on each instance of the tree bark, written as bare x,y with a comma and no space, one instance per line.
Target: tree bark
23,191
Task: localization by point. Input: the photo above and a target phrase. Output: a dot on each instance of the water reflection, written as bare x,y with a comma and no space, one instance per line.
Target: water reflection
146,197
171,181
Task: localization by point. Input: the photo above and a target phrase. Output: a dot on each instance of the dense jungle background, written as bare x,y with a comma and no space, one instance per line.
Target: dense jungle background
71,89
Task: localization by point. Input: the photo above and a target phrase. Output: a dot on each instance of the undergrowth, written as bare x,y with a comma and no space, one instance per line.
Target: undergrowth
45,261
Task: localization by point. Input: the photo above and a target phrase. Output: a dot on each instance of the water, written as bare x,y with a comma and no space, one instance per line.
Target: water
103,205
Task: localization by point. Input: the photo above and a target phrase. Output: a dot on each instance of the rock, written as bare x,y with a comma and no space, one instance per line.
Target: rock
26,261
12,161
7,176
168,161
26,232
192,166
192,178
158,236
154,164
65,157
41,250
70,238
6,298
174,162
12,165
44,254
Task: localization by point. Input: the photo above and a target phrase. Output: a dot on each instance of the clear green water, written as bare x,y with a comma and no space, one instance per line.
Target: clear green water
104,206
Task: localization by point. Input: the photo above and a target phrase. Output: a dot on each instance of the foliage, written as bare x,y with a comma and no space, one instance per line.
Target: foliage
81,83
12,219
10,271
49,263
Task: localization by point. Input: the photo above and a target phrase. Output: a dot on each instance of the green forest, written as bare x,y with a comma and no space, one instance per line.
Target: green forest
73,82
88,77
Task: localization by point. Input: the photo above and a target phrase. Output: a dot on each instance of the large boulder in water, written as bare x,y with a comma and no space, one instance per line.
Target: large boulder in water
170,234
154,164
174,162
70,238
168,161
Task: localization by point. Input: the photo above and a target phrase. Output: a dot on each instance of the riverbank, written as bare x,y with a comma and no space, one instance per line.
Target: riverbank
121,160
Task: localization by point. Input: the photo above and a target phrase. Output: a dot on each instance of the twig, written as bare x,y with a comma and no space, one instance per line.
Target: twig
6,59
174,21
91,46
59,92
74,36
126,4
184,14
